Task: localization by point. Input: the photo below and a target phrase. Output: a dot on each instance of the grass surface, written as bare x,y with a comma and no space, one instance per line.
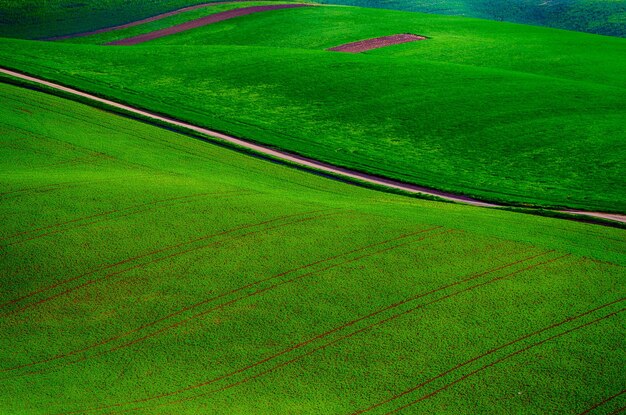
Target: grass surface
502,112
102,38
24,19
607,17
148,271
40,19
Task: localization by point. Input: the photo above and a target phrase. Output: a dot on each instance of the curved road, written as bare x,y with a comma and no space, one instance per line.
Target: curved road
281,155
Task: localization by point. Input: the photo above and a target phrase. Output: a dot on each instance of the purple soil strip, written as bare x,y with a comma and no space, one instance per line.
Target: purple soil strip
147,20
379,42
203,21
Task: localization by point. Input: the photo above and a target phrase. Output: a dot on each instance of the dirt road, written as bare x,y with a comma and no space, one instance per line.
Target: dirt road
281,155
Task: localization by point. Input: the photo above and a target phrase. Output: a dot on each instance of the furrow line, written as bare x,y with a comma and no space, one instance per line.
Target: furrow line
487,353
607,400
219,307
500,360
304,343
350,335
250,295
209,300
158,251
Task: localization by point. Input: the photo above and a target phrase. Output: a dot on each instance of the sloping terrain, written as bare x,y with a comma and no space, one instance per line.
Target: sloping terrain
203,21
160,22
604,17
149,272
146,22
26,19
501,112
42,19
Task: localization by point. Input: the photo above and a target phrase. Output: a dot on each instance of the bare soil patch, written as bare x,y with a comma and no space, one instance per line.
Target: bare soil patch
142,21
203,21
378,42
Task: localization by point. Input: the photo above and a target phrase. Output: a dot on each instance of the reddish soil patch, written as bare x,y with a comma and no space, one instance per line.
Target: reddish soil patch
379,42
203,21
142,21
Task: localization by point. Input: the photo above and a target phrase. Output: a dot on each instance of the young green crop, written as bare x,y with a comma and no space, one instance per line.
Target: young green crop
124,33
606,17
145,270
42,19
498,111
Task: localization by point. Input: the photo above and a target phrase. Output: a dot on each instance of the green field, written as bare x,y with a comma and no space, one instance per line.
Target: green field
40,19
34,20
502,112
605,17
124,33
149,272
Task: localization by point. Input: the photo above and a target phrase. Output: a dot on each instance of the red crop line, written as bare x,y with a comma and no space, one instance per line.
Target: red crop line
154,261
247,296
219,306
510,355
618,411
206,301
487,353
82,159
223,305
56,225
369,327
302,344
136,210
607,400
166,248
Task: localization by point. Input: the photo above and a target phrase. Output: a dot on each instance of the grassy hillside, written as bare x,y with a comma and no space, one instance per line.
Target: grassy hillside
39,19
605,17
499,111
146,271
24,19
102,38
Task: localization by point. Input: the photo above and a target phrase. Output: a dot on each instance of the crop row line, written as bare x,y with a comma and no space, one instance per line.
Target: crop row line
155,252
604,402
327,333
502,359
485,354
350,335
225,304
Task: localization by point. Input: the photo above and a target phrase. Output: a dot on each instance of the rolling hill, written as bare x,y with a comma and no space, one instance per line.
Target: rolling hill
603,17
502,112
149,272
33,20
60,17
148,268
